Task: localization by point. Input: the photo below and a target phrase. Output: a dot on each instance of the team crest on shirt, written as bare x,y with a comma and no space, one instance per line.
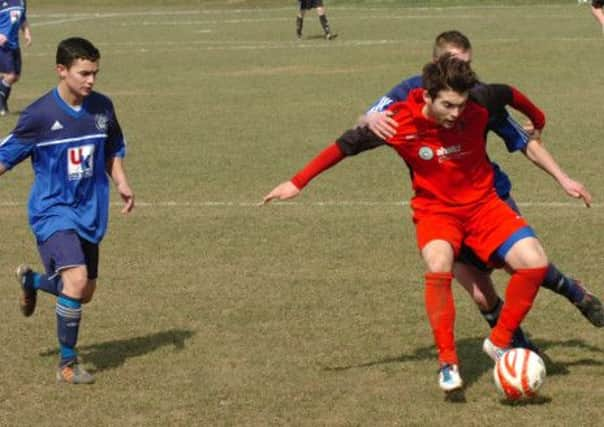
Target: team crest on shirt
426,153
101,121
15,15
80,162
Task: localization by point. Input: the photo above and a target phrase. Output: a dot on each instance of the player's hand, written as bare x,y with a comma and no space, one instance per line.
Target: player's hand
127,196
382,124
577,190
3,39
27,39
285,190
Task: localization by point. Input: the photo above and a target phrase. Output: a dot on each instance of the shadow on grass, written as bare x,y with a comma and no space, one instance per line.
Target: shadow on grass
111,354
314,37
474,363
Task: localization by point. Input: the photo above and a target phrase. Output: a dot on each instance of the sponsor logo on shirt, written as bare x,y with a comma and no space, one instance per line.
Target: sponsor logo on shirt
80,162
446,151
450,153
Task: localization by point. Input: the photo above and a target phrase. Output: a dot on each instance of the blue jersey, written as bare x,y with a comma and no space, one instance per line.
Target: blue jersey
502,124
12,16
68,149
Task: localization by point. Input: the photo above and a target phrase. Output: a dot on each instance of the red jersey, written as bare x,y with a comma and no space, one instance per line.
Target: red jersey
448,166
455,199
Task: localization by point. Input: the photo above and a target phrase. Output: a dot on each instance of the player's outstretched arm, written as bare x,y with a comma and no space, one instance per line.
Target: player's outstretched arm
350,143
323,161
285,190
540,156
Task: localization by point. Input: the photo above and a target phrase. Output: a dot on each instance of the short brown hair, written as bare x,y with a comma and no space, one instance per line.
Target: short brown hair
448,72
450,38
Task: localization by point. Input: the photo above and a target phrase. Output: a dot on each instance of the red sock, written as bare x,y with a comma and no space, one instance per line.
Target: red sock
441,314
519,297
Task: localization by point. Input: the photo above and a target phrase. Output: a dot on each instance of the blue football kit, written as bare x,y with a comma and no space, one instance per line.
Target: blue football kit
502,124
68,149
12,16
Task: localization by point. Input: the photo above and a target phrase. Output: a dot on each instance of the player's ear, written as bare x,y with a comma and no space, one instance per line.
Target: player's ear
427,97
61,70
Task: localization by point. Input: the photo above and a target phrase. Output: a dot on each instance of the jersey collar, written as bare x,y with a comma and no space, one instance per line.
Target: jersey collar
67,108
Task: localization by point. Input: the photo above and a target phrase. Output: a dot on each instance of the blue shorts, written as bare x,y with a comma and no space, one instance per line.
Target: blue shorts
66,249
10,60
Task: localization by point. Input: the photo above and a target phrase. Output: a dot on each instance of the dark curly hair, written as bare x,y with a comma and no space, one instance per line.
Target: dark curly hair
448,72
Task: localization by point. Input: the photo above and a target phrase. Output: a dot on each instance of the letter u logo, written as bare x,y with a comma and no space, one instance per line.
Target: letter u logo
75,156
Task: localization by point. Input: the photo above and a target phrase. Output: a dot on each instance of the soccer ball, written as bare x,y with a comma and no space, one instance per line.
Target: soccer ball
519,373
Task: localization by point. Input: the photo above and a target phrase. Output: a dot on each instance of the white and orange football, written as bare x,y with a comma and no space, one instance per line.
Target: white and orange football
519,374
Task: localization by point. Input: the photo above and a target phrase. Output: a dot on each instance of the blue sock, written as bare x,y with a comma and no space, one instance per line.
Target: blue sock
69,314
492,316
560,284
41,282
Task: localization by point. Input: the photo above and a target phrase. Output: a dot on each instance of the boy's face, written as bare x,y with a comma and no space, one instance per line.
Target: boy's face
446,108
80,77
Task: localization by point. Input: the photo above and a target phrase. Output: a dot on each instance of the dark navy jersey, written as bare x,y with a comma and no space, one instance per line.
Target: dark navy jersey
12,16
500,122
68,149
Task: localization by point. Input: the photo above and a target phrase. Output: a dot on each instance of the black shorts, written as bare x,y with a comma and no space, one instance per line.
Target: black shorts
66,249
10,60
311,4
597,3
468,257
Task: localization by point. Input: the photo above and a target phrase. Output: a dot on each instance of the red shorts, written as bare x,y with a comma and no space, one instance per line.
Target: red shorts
482,227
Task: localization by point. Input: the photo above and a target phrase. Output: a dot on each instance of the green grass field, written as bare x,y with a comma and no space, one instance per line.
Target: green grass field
212,311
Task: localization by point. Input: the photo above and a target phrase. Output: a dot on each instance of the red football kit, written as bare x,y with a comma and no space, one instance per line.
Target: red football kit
454,201
451,175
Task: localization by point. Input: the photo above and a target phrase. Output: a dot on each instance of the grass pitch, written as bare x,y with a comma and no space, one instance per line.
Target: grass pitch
213,311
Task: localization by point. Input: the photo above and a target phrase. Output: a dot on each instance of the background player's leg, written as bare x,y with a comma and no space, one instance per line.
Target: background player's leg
588,304
325,24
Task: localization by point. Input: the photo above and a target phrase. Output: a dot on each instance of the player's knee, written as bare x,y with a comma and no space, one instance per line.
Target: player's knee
527,253
79,284
75,282
438,256
11,78
439,263
536,259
